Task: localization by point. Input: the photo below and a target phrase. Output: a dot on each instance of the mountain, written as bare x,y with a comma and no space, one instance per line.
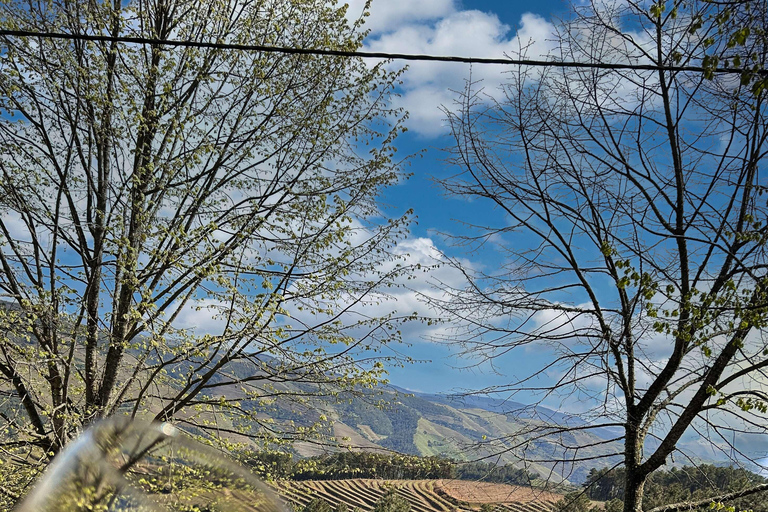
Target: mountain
518,410
459,427
512,408
438,425
468,427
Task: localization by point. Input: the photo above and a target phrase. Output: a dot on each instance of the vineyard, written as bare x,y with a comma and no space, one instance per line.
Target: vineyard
423,495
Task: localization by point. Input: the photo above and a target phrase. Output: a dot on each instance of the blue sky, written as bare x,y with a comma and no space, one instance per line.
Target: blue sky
478,28
484,28
481,28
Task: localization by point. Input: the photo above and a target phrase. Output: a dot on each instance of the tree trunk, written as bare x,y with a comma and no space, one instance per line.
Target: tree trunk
634,479
634,486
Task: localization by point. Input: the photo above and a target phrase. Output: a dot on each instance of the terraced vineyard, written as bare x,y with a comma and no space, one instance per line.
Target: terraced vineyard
423,495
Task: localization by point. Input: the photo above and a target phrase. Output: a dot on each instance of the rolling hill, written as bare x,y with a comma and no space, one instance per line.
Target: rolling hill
422,495
391,419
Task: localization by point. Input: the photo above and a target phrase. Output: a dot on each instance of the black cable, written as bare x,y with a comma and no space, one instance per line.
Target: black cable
370,55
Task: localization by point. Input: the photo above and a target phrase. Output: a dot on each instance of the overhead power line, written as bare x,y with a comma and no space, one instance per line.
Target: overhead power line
368,55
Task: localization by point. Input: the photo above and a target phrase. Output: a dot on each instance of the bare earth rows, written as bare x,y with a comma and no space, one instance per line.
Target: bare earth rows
423,495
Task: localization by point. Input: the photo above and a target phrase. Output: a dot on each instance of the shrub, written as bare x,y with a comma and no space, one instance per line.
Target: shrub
318,505
392,502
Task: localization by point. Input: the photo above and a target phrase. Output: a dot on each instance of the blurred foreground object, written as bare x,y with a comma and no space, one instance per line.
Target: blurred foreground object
120,464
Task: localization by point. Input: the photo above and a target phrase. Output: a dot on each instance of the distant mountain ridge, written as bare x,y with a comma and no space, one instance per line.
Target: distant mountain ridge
516,409
475,427
466,428
462,427
470,427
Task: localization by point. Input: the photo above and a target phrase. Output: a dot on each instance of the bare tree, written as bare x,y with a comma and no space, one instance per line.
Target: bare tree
632,230
142,183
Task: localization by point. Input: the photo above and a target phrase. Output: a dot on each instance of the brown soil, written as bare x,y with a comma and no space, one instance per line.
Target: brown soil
485,492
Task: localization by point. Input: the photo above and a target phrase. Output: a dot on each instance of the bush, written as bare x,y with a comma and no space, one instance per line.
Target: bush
318,505
392,502
575,502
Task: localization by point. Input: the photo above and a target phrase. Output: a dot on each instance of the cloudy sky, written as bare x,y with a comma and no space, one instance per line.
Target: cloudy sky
478,28
472,28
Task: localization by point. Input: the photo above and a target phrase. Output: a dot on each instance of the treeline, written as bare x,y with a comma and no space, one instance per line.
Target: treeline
490,472
343,465
667,487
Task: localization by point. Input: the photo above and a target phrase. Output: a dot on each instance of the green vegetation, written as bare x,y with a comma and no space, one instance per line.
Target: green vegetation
346,465
318,505
490,472
576,501
680,485
631,215
363,412
424,426
392,502
404,424
210,204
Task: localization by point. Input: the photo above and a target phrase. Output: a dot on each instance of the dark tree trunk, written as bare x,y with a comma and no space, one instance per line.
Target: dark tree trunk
634,486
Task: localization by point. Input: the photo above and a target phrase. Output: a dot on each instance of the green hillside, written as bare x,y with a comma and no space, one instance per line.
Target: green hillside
388,420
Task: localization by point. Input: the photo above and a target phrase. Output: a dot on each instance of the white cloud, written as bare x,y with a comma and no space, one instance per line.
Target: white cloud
407,297
203,316
423,104
437,27
556,322
387,15
429,85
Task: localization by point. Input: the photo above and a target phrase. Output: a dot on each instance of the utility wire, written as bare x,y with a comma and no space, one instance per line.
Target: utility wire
369,55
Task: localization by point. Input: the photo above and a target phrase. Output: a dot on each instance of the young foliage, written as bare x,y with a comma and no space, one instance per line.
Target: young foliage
189,233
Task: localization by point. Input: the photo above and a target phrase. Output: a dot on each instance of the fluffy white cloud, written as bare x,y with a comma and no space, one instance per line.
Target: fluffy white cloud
429,85
387,15
202,316
424,105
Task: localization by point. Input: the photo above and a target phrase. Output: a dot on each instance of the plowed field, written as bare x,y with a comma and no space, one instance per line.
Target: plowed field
423,495
485,492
